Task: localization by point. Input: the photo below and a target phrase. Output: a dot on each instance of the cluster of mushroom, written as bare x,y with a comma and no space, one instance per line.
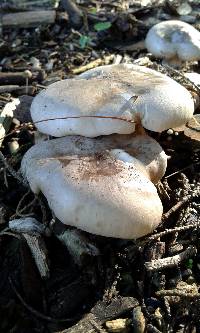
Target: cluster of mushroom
99,175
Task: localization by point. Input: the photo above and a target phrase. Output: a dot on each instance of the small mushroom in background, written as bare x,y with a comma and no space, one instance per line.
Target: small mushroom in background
100,185
174,41
191,130
112,99
195,79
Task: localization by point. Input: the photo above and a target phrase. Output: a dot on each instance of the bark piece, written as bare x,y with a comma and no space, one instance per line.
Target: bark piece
29,19
18,78
101,313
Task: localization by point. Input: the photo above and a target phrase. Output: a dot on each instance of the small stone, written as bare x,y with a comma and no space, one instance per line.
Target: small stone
118,325
170,131
13,146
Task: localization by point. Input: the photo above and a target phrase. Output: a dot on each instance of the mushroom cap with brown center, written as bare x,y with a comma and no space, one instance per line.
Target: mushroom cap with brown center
98,185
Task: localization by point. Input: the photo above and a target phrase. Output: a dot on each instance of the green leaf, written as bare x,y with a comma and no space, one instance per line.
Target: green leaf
92,10
100,26
83,41
189,263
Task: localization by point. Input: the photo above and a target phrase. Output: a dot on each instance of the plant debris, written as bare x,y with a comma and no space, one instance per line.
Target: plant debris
148,285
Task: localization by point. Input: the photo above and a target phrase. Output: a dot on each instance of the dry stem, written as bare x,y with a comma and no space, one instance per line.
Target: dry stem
168,262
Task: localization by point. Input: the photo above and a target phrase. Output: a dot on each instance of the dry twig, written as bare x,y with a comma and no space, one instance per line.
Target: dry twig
175,292
19,210
12,171
39,253
168,262
93,64
178,205
171,231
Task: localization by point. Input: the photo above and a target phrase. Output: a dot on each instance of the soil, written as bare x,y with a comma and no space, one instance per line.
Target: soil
44,285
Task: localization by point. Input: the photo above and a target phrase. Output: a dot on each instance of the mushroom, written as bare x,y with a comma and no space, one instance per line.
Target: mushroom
195,79
101,185
112,99
174,41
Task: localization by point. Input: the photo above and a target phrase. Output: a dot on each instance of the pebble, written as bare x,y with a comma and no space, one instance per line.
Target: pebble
170,131
13,146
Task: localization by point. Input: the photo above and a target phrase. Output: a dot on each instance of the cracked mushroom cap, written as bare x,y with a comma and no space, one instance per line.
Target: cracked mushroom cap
173,38
111,99
100,185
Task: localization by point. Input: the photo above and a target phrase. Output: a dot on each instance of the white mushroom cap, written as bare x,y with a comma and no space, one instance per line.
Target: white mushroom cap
173,38
130,92
194,78
98,185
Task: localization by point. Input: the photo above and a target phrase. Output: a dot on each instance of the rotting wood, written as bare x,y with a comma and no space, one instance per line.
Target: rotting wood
28,19
102,312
